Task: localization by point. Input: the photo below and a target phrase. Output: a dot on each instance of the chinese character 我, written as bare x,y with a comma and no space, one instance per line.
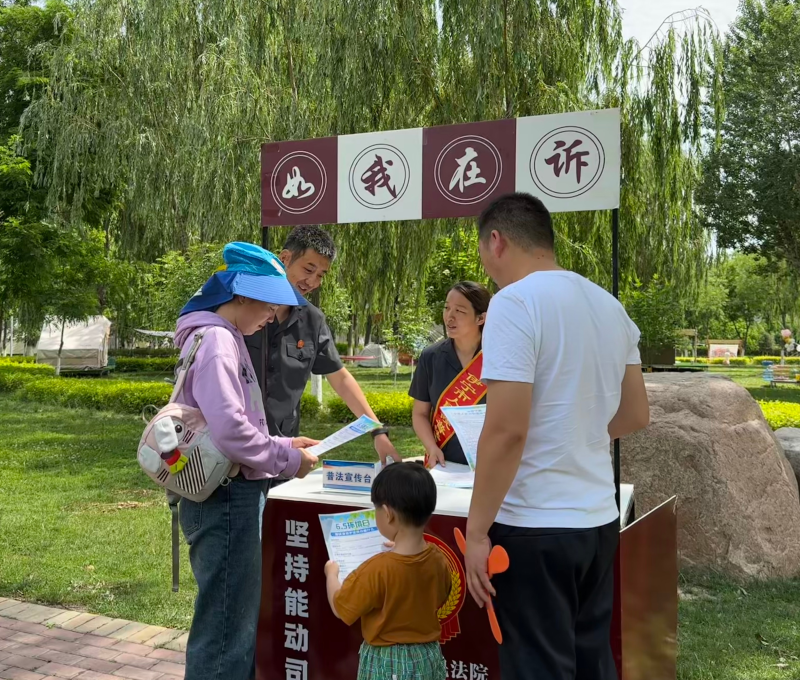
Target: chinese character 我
296,637
377,176
296,534
570,155
296,670
297,566
296,186
296,603
471,174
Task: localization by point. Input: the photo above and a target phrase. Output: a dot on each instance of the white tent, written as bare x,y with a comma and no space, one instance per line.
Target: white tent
381,358
85,344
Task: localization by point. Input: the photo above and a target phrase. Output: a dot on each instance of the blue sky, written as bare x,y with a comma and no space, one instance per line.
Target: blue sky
641,18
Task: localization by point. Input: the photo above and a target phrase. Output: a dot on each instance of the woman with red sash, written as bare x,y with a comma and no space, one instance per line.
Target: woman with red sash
448,373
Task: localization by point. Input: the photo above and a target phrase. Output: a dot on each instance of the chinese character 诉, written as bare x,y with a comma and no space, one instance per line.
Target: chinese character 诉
570,156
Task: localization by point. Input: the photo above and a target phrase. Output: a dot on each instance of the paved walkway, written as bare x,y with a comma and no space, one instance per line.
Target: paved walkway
43,643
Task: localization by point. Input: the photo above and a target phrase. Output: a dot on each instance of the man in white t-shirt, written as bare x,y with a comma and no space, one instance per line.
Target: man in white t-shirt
562,366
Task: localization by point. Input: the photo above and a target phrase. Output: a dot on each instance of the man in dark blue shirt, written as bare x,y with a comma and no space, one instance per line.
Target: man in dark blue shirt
300,343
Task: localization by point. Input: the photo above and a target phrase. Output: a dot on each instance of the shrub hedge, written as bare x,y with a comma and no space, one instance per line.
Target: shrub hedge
146,365
17,359
738,361
390,408
781,413
145,352
111,395
14,375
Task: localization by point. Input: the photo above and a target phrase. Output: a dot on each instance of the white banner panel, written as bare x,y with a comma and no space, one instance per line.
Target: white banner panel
380,176
571,161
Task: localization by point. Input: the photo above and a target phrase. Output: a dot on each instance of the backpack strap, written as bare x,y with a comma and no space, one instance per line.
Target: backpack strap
185,364
173,499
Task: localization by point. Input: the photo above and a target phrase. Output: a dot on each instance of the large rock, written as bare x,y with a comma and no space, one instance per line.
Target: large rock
789,437
708,443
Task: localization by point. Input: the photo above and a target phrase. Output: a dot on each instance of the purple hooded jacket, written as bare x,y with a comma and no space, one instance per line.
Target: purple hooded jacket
223,385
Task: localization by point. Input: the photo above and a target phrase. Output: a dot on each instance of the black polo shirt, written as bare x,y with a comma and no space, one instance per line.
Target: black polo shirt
438,366
298,347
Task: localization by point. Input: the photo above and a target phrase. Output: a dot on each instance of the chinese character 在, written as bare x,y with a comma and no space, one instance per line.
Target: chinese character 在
478,671
459,670
377,176
296,637
296,186
296,534
296,670
297,567
471,173
570,156
296,602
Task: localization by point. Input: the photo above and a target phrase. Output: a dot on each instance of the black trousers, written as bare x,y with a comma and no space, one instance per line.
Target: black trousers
554,604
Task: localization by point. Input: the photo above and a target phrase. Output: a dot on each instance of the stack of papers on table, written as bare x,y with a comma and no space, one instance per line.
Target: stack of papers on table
454,475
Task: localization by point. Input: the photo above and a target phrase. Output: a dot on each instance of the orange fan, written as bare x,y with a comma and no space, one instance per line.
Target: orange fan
498,563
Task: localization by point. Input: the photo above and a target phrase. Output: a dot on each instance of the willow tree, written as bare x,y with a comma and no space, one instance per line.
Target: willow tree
166,102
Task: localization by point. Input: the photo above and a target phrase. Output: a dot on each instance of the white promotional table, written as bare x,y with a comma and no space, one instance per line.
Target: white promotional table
300,639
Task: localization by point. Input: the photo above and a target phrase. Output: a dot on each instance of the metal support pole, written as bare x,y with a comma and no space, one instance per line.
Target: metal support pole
266,243
615,291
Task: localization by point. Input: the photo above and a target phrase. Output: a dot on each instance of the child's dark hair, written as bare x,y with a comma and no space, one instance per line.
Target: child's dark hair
408,489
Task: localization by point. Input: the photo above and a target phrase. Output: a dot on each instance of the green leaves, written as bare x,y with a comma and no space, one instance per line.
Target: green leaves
751,189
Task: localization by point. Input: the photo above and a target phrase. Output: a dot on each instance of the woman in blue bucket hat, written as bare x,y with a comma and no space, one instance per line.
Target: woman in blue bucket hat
224,532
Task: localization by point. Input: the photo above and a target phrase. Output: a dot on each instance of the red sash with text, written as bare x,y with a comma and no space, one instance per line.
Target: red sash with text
465,390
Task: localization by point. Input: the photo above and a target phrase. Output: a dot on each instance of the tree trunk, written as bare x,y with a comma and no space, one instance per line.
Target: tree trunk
351,335
368,331
60,347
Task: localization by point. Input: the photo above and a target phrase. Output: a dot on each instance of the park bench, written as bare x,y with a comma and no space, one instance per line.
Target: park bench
784,375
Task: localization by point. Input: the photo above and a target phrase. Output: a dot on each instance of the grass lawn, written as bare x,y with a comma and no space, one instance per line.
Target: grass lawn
80,526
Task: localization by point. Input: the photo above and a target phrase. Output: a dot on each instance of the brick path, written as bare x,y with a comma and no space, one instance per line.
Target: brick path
42,643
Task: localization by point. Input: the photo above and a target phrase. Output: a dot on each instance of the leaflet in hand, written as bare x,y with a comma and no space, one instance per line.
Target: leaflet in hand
351,538
347,434
467,421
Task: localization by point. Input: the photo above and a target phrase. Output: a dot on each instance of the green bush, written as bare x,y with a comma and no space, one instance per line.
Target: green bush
309,406
17,359
690,360
390,408
792,361
15,376
111,395
42,369
146,352
781,413
146,365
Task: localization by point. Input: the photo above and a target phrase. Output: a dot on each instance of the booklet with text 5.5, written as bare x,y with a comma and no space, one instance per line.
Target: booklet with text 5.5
351,538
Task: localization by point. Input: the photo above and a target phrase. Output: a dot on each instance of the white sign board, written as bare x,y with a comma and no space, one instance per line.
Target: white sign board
571,161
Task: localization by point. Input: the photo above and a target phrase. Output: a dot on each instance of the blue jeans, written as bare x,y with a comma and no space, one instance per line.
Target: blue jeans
224,537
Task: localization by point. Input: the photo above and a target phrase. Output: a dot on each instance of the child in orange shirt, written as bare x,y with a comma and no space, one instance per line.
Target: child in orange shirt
397,594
